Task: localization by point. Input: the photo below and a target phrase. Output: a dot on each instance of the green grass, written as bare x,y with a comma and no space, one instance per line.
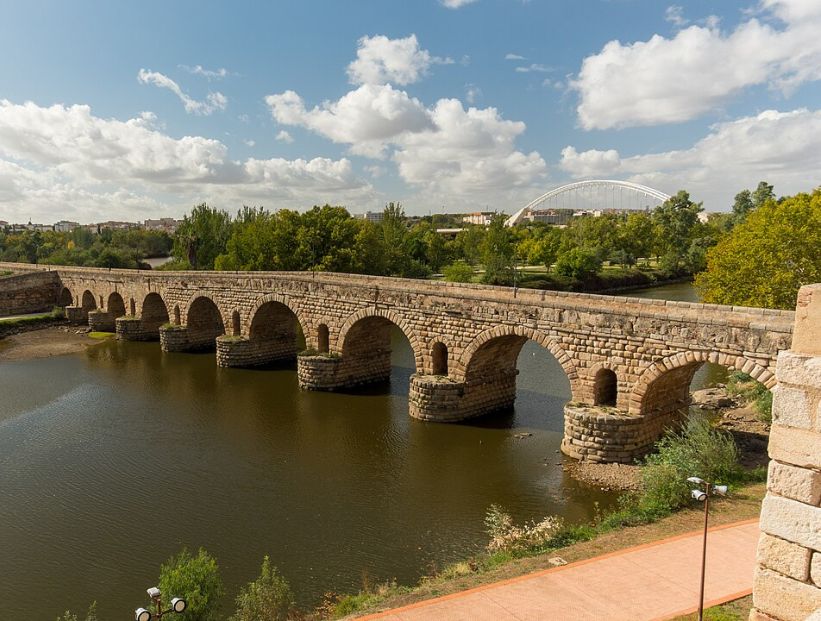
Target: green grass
57,313
101,336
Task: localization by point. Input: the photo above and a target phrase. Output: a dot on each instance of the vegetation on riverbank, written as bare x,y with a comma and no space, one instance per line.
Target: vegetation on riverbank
31,322
736,610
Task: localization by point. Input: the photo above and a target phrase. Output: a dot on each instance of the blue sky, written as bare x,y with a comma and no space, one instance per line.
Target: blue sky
136,110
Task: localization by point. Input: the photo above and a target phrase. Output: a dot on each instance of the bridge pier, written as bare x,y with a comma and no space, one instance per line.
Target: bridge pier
241,351
133,329
332,372
101,321
175,339
76,315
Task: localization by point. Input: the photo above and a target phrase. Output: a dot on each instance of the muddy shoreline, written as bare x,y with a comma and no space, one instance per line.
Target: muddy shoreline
44,343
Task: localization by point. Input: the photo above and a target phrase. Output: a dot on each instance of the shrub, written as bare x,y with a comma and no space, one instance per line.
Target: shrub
752,391
700,450
197,580
91,615
578,264
507,536
459,271
267,598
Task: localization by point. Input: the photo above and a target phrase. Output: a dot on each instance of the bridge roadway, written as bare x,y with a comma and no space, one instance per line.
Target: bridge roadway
629,361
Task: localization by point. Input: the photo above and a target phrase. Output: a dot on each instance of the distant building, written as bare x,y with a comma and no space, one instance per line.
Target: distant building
482,218
115,225
370,216
65,226
549,216
169,225
450,233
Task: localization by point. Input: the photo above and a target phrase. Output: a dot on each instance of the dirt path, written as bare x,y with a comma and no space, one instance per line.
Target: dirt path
44,343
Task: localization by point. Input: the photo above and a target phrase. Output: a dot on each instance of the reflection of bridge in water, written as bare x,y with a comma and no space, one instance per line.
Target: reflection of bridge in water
592,194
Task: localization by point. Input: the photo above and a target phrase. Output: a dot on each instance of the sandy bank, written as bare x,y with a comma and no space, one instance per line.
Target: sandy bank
55,341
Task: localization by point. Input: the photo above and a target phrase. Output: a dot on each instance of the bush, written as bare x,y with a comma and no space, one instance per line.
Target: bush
578,264
744,386
91,615
268,598
507,536
197,580
698,450
459,271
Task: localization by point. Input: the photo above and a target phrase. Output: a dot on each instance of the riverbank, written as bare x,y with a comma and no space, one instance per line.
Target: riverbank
44,343
745,503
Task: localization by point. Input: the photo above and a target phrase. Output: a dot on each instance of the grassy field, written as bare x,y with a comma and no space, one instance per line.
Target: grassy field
737,610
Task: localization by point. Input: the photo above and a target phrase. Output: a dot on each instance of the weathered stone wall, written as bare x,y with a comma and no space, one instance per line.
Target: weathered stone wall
29,293
606,435
133,329
101,321
240,351
788,578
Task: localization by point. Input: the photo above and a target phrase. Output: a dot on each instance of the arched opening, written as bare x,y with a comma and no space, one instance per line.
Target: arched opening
132,306
440,359
65,299
204,323
515,369
235,325
177,319
276,333
88,303
102,304
323,338
376,350
605,388
116,305
154,314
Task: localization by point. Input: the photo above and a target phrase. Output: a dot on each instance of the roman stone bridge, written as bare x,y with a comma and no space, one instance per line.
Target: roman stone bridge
629,361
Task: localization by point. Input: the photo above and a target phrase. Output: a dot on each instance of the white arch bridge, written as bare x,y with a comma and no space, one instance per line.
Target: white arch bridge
593,194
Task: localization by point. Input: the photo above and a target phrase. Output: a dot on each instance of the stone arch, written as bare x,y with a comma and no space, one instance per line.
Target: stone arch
301,319
322,338
488,367
439,358
66,298
360,320
204,322
525,334
88,302
665,384
115,305
153,314
605,387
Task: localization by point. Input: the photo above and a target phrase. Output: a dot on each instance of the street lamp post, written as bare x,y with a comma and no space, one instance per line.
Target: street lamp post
704,496
178,605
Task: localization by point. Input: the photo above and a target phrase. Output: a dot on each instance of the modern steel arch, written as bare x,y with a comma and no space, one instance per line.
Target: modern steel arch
569,187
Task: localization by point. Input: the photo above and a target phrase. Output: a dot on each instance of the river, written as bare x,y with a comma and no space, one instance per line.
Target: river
114,459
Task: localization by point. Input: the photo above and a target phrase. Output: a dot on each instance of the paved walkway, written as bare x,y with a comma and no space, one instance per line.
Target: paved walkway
650,582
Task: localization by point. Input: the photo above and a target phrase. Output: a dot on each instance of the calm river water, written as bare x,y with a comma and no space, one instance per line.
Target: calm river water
114,459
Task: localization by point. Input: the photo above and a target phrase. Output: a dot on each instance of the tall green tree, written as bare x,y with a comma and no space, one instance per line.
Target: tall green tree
197,580
765,260
202,236
497,251
676,222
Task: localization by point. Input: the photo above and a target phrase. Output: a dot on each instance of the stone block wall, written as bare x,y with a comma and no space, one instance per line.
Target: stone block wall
244,352
132,329
101,321
605,435
174,339
788,577
29,293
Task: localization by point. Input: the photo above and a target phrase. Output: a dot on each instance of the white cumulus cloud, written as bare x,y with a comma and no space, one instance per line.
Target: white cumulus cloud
668,80
455,4
284,136
61,161
779,147
214,101
380,60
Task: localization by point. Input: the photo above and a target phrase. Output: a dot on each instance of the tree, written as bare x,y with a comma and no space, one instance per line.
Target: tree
497,252
268,598
202,236
762,193
676,220
742,206
197,580
578,264
764,260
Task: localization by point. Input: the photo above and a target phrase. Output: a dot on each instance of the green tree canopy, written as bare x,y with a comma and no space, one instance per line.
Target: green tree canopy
196,579
202,236
764,260
268,598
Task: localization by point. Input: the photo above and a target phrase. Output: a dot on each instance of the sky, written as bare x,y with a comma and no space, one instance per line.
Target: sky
134,110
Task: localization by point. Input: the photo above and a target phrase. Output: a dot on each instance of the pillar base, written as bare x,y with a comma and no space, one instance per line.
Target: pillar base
319,372
101,321
174,339
76,315
240,351
436,399
602,434
131,329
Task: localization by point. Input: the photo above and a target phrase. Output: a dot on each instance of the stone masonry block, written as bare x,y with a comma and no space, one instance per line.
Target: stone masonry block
791,407
800,484
795,446
785,557
784,598
800,369
792,520
815,569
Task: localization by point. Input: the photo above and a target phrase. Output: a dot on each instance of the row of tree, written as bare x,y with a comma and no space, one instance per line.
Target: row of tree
83,247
